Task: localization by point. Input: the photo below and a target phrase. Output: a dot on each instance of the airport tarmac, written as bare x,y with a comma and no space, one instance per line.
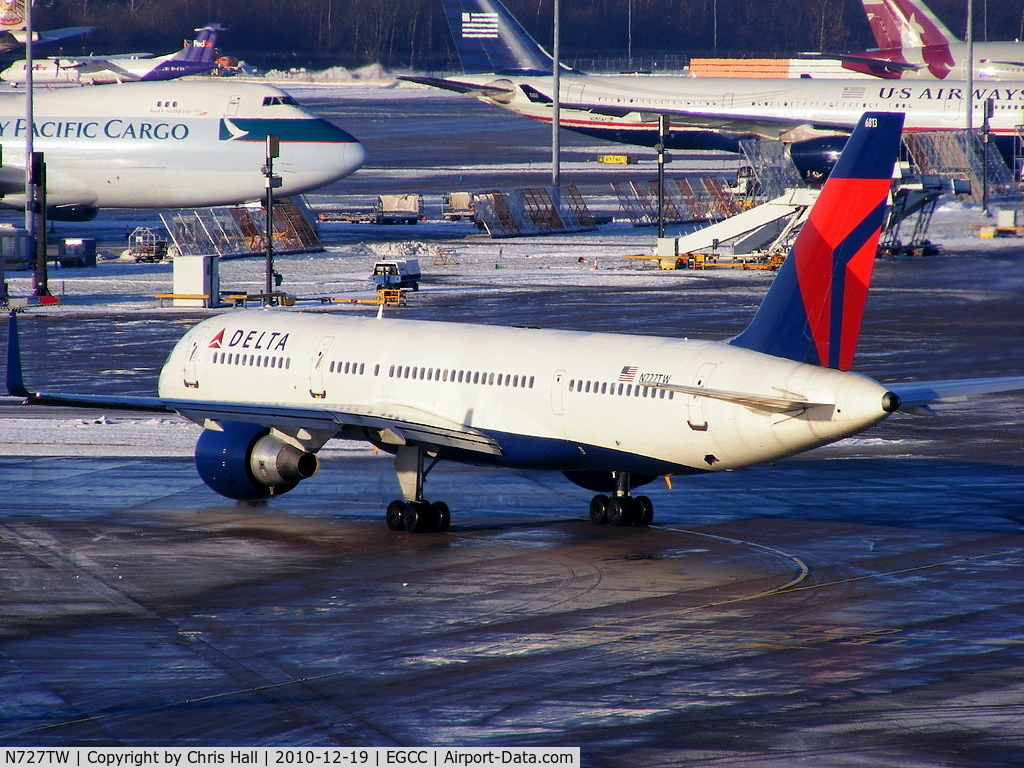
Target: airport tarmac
857,606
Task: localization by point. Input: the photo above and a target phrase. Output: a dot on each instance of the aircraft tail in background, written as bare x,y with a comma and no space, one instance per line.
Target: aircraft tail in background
812,312
910,37
905,24
489,39
195,57
13,33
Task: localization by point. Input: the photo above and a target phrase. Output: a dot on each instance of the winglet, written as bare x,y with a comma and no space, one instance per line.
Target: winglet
812,312
15,379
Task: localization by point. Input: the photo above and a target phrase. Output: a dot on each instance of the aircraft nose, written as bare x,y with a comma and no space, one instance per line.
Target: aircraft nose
354,155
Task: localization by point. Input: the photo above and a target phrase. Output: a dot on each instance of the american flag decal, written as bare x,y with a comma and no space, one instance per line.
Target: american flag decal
480,26
628,373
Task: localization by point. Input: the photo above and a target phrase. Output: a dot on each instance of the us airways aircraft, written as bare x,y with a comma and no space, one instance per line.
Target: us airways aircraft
168,145
195,57
914,43
611,411
812,116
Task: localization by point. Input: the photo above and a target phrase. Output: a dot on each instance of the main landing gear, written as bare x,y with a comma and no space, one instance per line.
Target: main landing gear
621,508
414,513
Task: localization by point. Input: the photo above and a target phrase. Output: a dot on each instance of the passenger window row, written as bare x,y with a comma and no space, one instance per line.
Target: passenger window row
459,376
617,388
252,360
338,366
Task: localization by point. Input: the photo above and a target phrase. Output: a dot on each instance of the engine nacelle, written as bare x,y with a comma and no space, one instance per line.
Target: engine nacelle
814,158
247,462
71,212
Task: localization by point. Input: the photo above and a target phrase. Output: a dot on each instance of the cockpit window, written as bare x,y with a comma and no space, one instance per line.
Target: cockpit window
269,101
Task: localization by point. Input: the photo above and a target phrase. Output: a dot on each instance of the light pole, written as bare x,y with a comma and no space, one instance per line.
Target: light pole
556,173
272,181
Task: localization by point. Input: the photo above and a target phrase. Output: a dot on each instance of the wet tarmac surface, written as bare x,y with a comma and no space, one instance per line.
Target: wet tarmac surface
859,606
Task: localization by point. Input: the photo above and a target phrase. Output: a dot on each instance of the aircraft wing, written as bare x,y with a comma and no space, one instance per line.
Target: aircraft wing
769,403
53,35
763,126
915,397
487,91
395,425
101,62
881,67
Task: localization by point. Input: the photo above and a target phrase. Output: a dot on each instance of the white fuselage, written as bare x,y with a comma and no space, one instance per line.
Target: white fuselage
169,144
770,108
552,399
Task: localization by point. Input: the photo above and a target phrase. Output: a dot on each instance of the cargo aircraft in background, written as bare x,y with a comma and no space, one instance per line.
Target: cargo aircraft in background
13,32
610,411
812,116
168,144
194,58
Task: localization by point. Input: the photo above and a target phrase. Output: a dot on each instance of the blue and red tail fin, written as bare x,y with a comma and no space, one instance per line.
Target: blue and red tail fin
812,312
489,39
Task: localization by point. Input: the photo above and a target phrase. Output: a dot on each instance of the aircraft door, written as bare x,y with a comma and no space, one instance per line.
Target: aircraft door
951,109
195,347
695,418
317,368
557,382
575,94
232,108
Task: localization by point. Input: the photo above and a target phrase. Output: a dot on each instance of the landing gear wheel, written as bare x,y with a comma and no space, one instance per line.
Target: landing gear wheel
413,516
645,511
442,515
599,509
618,510
395,515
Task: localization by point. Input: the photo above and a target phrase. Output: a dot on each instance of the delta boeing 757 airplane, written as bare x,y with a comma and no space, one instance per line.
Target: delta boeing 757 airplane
171,144
610,411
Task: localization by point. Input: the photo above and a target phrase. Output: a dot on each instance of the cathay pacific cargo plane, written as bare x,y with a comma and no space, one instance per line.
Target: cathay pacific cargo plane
610,411
168,144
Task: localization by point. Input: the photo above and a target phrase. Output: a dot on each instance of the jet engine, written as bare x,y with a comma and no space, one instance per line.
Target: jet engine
814,158
248,462
71,212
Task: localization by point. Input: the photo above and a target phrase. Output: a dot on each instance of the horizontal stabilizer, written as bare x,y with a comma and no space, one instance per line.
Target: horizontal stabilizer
917,395
495,92
769,403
